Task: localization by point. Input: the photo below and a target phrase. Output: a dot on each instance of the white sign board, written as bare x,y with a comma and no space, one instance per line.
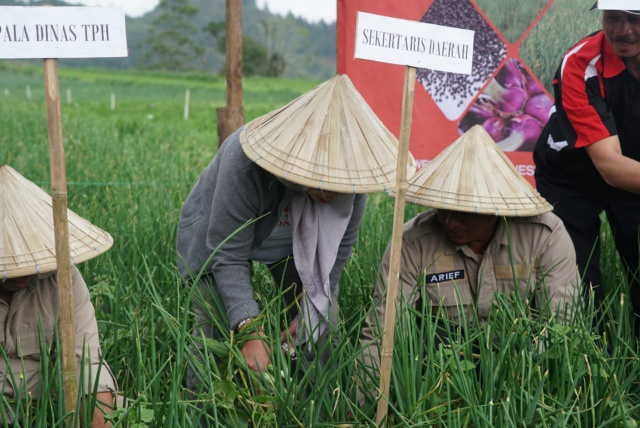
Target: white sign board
62,32
416,44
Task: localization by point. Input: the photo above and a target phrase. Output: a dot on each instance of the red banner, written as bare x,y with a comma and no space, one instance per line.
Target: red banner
502,94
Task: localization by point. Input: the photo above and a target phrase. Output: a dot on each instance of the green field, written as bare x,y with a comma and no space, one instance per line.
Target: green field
512,17
130,169
564,24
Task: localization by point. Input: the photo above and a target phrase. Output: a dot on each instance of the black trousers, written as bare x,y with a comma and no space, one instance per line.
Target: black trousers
579,212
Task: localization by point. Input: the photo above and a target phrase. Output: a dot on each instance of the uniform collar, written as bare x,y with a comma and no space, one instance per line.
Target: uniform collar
500,236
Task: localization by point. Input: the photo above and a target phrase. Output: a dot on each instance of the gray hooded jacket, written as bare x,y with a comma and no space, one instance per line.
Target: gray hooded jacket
215,210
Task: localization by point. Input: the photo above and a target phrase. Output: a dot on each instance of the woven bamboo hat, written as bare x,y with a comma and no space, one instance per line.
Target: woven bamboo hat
474,175
328,138
27,243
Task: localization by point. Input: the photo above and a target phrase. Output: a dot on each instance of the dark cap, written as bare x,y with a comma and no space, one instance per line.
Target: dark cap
615,5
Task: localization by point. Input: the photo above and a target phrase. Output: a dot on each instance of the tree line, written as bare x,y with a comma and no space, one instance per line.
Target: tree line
189,35
183,35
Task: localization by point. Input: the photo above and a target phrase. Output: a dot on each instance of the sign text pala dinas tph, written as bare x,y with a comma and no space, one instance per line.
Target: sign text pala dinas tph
62,32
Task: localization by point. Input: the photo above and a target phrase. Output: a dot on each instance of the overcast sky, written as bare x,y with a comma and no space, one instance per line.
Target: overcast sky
312,10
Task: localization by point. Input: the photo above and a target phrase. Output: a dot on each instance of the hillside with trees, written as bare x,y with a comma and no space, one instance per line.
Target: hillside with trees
188,35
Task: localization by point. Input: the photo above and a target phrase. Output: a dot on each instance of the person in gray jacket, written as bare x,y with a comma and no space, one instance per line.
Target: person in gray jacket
290,185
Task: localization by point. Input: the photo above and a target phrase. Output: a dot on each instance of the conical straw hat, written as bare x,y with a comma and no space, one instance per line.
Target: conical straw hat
474,175
27,243
328,138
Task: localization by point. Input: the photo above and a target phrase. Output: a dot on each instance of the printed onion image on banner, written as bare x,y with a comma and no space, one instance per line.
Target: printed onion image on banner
512,109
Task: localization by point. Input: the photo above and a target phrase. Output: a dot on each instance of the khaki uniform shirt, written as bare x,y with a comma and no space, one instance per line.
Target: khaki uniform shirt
19,337
455,277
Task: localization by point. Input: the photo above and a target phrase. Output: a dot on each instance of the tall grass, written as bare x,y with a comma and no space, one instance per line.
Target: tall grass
512,17
129,174
564,24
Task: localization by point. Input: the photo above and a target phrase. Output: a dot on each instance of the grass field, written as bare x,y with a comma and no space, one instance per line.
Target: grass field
130,169
564,24
512,17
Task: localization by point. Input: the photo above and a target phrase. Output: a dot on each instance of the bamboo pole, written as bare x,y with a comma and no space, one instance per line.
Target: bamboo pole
396,244
61,229
231,117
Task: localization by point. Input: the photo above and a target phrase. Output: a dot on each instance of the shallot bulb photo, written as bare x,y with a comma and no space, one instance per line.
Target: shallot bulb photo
513,109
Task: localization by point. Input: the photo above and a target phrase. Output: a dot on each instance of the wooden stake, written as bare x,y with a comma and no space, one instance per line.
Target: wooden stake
234,52
396,244
66,324
231,117
187,97
113,101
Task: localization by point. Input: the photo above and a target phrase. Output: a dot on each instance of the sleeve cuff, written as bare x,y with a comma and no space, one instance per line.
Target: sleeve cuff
104,379
241,312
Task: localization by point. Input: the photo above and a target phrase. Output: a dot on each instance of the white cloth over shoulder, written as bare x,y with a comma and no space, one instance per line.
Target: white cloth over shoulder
318,230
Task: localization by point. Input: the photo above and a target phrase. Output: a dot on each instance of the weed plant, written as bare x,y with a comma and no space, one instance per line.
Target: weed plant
129,174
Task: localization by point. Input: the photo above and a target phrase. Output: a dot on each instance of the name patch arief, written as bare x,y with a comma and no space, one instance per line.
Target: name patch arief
444,276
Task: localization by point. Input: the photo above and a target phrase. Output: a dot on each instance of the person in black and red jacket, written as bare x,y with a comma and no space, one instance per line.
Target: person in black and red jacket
588,155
